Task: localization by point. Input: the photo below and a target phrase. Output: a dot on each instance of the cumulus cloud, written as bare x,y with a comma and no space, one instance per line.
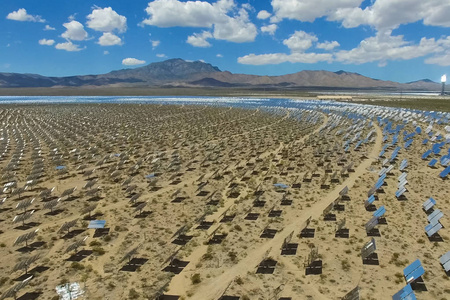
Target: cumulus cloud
155,44
170,13
161,55
381,14
300,41
219,55
22,15
308,10
200,39
278,58
68,46
263,14
74,31
229,22
106,52
106,20
328,45
441,60
46,42
48,27
109,39
237,29
270,29
389,14
132,61
384,47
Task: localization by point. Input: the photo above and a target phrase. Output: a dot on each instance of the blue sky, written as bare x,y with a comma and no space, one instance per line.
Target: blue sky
400,40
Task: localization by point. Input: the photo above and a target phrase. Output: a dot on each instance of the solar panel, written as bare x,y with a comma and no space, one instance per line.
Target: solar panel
369,201
135,197
89,184
12,292
445,261
389,169
96,224
444,173
413,271
432,229
379,184
435,216
51,204
344,191
405,293
352,295
66,226
402,176
403,165
402,183
432,162
25,263
140,207
130,254
368,248
93,191
400,192
89,209
379,212
68,192
23,217
426,154
341,224
24,204
428,204
46,193
26,237
371,224
76,245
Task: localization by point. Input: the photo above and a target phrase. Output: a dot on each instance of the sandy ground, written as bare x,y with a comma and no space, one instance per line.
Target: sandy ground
213,162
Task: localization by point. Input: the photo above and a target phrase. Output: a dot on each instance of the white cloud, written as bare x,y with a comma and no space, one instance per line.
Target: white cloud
270,29
308,10
132,61
106,52
247,6
200,39
263,14
380,14
278,58
237,29
155,44
68,46
106,20
228,25
109,39
384,47
161,55
219,55
328,45
170,13
48,27
75,31
441,60
22,15
389,14
300,41
46,42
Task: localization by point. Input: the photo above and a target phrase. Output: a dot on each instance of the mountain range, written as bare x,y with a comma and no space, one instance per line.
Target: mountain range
180,73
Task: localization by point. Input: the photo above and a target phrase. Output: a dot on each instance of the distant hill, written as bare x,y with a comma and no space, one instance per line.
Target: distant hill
181,73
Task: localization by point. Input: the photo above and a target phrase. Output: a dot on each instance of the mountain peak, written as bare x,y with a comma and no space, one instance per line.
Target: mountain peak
422,80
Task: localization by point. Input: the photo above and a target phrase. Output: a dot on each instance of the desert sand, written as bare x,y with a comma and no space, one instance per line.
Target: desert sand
196,197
